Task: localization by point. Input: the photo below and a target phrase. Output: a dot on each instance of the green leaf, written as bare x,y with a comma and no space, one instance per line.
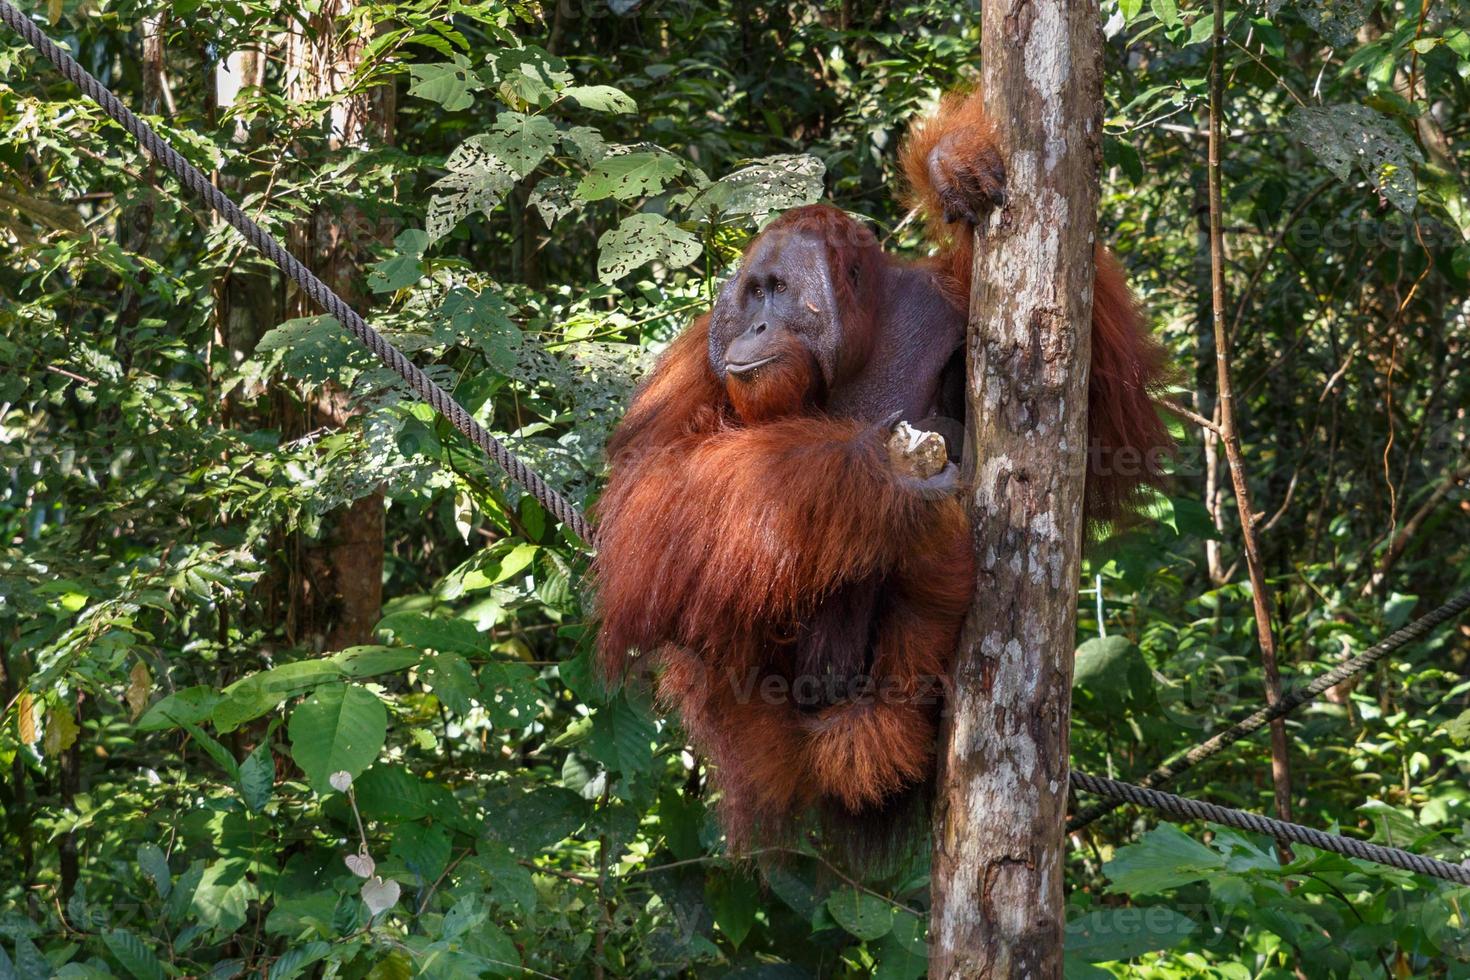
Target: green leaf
1166,11
403,269
1458,729
258,775
434,633
449,84
1130,9
1345,137
191,704
1105,666
1111,934
529,822
1163,858
629,175
478,180
294,962
254,695
643,238
511,694
133,954
622,737
223,894
214,750
152,862
733,898
424,850
370,661
449,676
314,349
336,728
866,916
522,141
601,98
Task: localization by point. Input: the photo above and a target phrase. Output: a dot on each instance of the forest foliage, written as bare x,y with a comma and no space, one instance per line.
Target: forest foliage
213,765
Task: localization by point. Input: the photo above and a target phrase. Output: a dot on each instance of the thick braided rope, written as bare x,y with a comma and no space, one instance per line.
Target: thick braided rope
195,180
1181,808
1262,717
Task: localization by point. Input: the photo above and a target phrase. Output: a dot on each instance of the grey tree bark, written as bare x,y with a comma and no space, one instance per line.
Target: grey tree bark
1002,794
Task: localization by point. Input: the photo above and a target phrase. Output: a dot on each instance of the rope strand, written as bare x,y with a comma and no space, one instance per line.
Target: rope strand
1187,809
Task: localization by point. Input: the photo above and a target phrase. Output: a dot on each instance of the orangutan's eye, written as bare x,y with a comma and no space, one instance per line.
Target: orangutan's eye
780,286
759,292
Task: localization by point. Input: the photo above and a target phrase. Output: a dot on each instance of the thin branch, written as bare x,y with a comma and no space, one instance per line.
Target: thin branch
1188,415
1230,438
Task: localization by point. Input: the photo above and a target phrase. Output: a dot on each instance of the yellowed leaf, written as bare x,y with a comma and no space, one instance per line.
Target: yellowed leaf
53,11
140,686
61,732
26,710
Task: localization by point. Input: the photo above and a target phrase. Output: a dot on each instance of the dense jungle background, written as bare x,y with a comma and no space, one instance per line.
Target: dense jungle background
239,561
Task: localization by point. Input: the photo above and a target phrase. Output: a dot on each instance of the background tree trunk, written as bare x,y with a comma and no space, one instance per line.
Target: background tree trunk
344,574
997,877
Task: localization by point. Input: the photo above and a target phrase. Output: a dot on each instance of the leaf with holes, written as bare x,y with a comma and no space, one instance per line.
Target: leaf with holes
434,633
511,694
554,198
1337,21
449,84
478,180
602,98
522,141
643,238
449,676
1348,136
341,727
630,175
768,185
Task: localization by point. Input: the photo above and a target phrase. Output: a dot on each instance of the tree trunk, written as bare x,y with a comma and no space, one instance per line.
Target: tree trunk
320,62
1002,795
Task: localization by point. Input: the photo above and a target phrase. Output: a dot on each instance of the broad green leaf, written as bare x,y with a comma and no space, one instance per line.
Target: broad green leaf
529,822
622,737
521,141
1345,137
258,775
602,98
1110,934
434,633
733,898
191,704
133,954
449,84
478,180
152,862
642,238
370,661
1130,10
866,916
511,694
629,175
449,676
424,850
1165,11
1163,858
337,728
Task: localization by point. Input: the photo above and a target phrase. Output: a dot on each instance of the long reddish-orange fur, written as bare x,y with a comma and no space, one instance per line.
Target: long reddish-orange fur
733,513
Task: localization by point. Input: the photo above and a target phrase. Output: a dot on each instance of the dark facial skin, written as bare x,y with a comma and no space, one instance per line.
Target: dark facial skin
780,306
